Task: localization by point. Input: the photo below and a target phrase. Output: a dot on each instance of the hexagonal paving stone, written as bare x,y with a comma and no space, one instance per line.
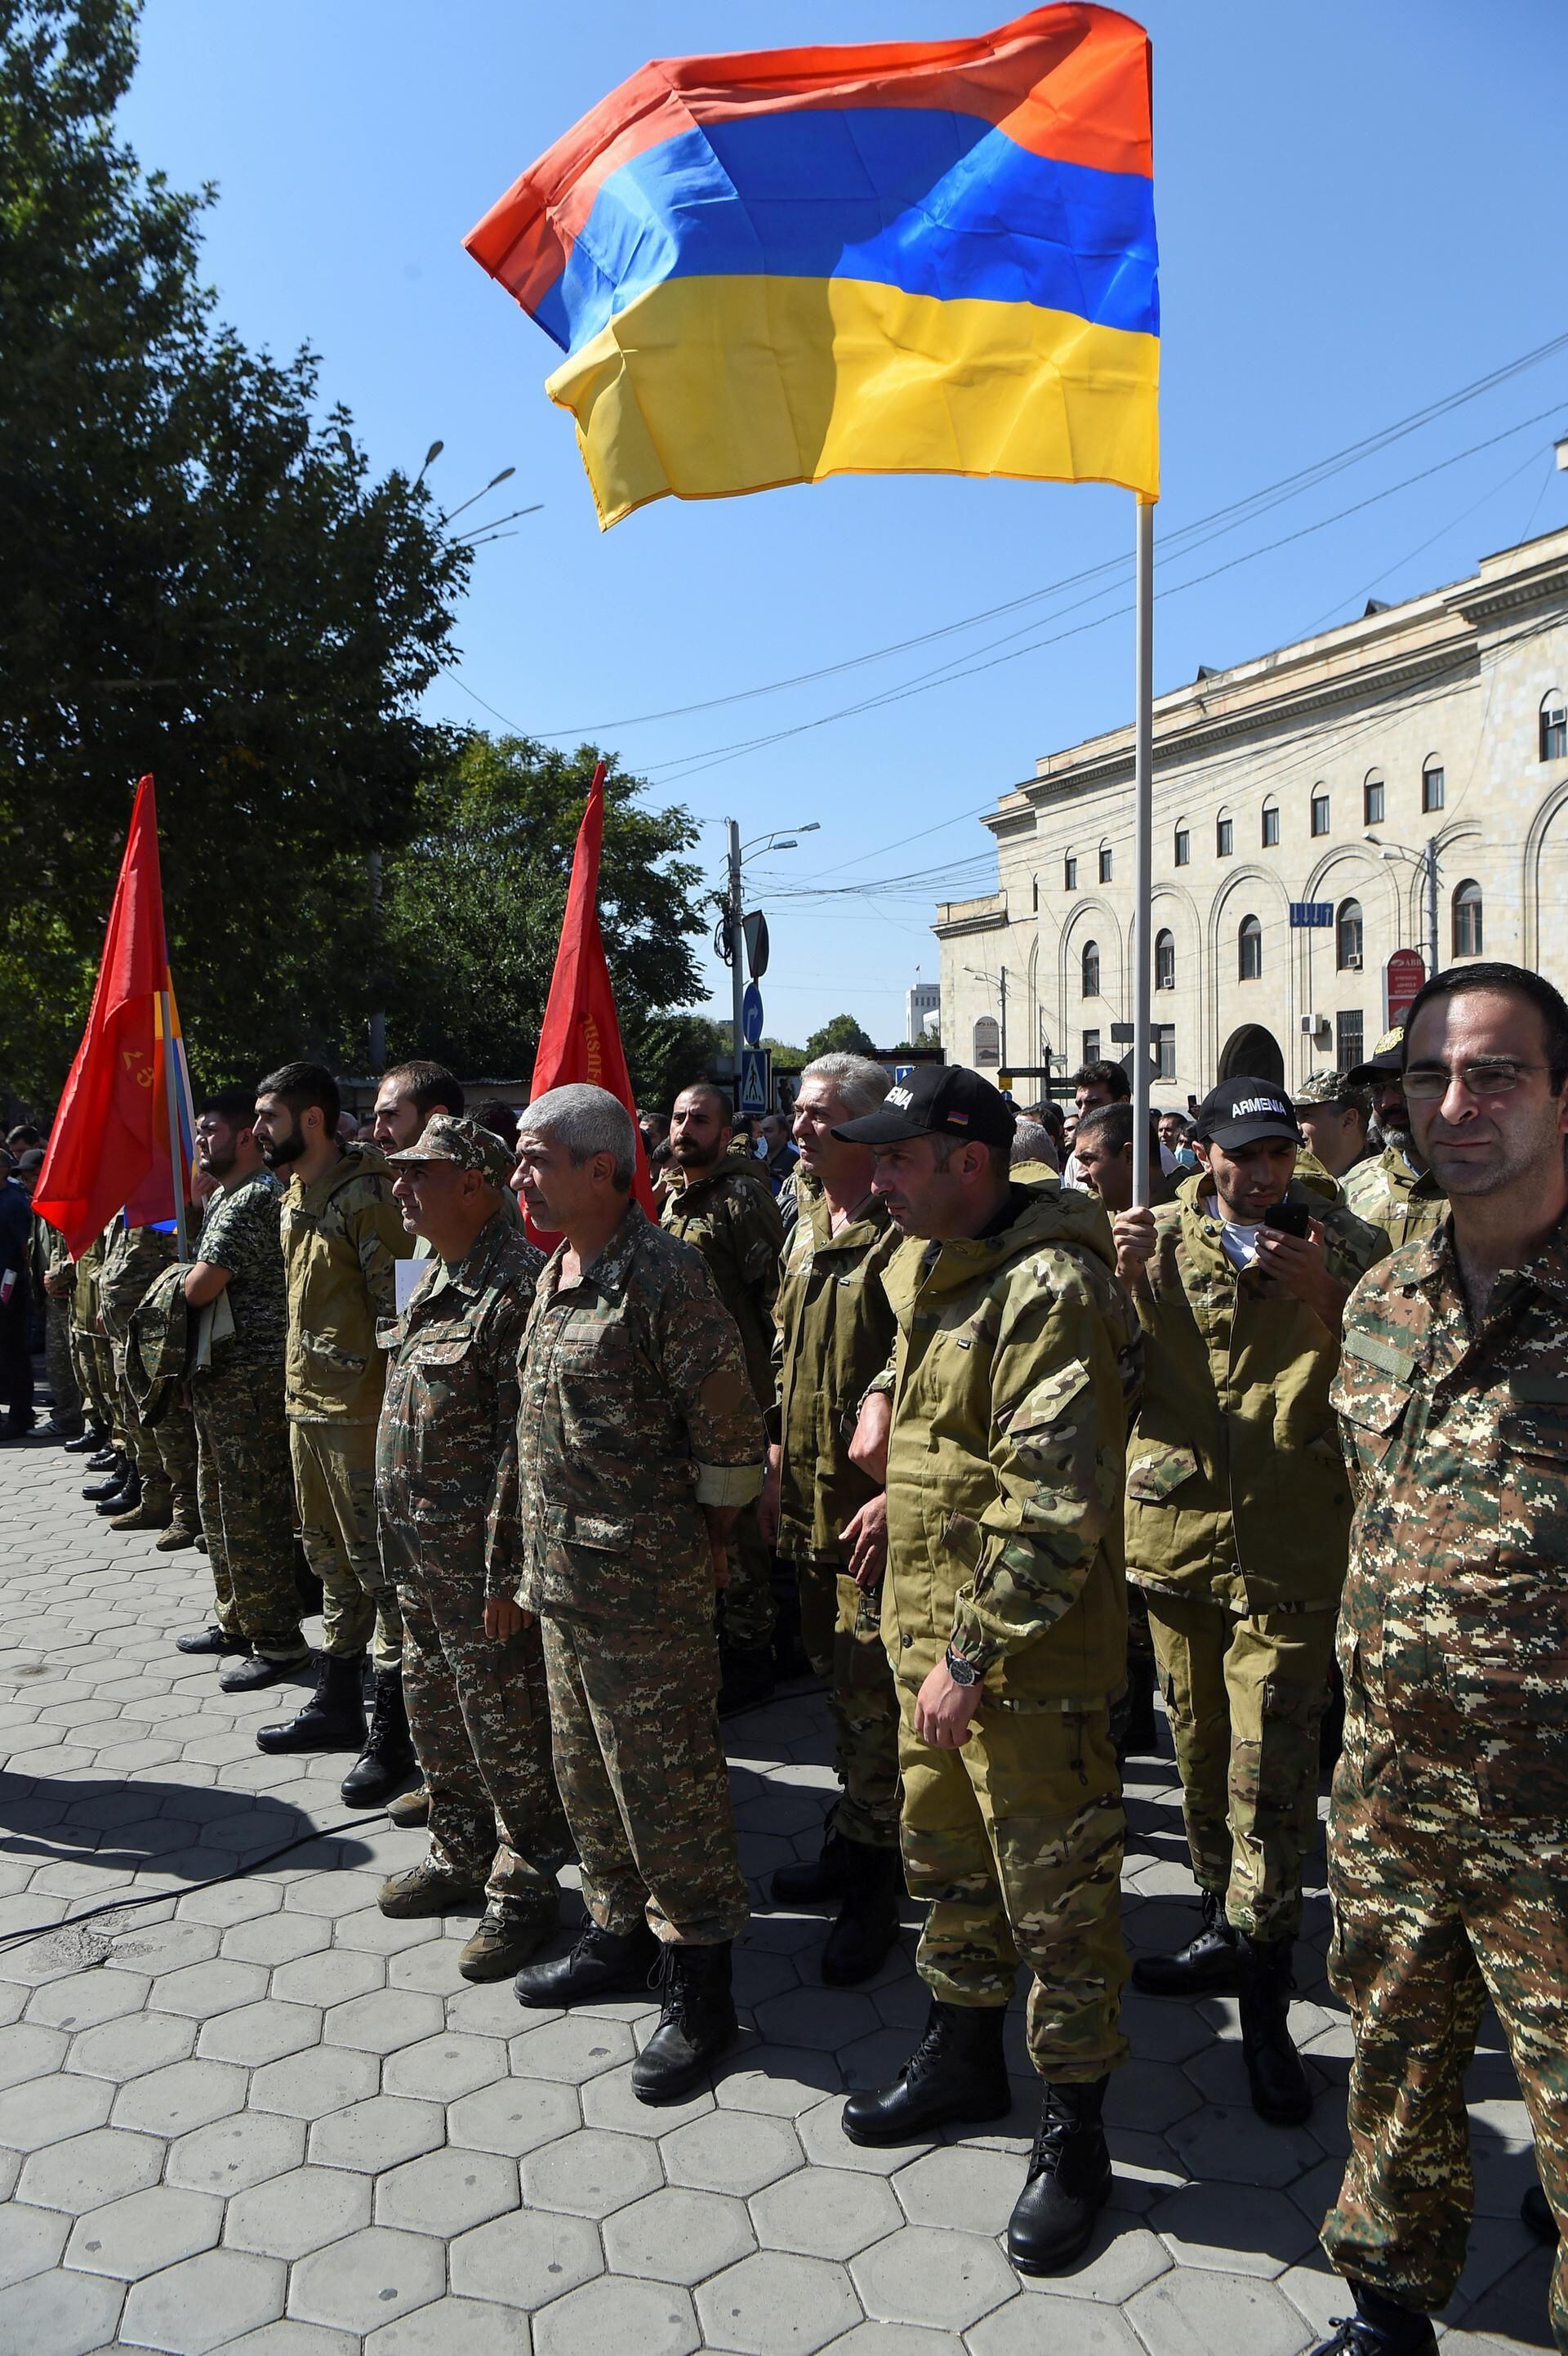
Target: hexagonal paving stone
589,2173
1194,2312
825,2212
311,2085
66,2315
383,2020
87,1998
145,2232
605,2318
51,2109
90,2169
131,2047
1148,2095
525,2259
445,2067
332,1976
771,2305
203,2303
332,1894
447,2191
258,2033
1014,2330
922,2275
376,2135
187,2094
784,2081
731,2151
273,1939
201,1989
31,2241
573,2048
243,2150
1120,2260
283,2338
972,2190
454,2327
1237,2228
823,2139
827,2018
609,2102
675,2236
377,1934
28,2049
1233,2145
291,2215
162,1947
513,2116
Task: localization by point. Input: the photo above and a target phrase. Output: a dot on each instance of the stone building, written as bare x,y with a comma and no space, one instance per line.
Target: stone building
1318,775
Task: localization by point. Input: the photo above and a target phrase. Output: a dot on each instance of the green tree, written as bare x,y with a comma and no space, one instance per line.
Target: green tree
841,1035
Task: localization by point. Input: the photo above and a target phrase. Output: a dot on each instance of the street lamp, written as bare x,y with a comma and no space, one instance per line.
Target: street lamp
1427,862
731,927
503,476
430,455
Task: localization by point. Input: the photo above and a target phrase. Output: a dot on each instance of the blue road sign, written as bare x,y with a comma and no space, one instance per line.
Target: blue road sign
756,1090
752,1014
1311,915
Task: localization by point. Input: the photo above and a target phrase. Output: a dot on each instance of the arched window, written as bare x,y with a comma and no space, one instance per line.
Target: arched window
1270,825
1372,798
1107,863
987,1041
1553,725
1431,786
1183,843
1164,961
1070,873
1320,809
1224,838
1250,950
1468,919
1347,937
1091,969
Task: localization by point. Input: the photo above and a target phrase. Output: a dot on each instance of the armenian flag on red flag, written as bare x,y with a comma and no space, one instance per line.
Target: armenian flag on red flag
932,257
109,1147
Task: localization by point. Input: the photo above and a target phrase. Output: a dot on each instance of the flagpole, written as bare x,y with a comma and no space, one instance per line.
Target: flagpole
1143,844
171,1092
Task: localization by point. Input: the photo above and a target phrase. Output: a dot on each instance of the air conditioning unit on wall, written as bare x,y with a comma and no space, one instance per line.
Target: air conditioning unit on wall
1315,1026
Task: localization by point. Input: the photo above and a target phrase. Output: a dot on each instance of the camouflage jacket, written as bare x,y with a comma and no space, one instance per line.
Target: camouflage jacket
84,1312
240,1233
1454,1633
734,1222
450,1407
131,1258
157,1346
1014,1376
835,1331
341,1238
1236,1489
1391,1194
635,1412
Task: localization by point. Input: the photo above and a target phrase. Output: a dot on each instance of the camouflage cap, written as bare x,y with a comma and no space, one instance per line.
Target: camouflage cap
455,1137
1321,1089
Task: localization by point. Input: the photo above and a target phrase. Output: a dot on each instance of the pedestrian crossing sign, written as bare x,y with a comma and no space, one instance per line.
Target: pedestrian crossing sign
756,1090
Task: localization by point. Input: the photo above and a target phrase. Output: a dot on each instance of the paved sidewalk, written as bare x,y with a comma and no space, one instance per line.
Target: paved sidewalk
261,2116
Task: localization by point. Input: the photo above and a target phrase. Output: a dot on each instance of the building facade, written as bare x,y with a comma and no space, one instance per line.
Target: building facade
921,1003
1327,777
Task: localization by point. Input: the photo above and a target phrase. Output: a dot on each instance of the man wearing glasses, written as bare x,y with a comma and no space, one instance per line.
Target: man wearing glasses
1448,1837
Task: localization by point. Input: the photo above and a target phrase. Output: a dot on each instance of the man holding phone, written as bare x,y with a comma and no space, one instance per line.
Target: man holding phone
1238,1514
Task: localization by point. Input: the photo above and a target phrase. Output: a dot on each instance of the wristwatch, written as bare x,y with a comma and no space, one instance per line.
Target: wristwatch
962,1672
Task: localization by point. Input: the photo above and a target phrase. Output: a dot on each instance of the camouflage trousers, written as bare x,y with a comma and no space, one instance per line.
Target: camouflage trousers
335,1492
480,1721
1013,1842
94,1364
748,1609
841,1628
643,1778
165,1452
1437,1905
1244,1696
246,1492
58,1366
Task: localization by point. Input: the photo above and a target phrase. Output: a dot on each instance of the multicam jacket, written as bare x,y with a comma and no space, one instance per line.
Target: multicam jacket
731,1216
1454,1631
1391,1194
131,1258
1014,1374
241,1234
450,1412
635,1412
84,1308
835,1331
341,1238
1236,1490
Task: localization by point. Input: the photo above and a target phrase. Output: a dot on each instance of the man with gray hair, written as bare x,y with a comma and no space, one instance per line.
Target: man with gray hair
638,1440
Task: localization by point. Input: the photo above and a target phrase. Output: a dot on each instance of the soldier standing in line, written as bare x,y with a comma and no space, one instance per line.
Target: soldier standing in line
1332,1117
244,1476
472,1663
834,1332
638,1438
1393,1189
1448,1833
54,1281
1002,1424
81,1303
160,1494
721,1201
115,1463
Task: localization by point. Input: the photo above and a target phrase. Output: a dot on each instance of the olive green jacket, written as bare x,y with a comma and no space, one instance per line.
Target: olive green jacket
1236,1490
835,1333
1014,1374
1389,1194
341,1239
732,1218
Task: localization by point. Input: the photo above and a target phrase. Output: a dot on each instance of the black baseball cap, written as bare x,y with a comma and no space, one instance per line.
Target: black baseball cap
936,1100
1388,1055
1239,1112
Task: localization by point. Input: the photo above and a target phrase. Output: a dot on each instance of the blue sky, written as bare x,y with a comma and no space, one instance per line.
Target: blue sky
1358,212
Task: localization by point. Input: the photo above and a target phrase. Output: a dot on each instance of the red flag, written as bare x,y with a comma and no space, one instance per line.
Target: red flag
581,1039
109,1147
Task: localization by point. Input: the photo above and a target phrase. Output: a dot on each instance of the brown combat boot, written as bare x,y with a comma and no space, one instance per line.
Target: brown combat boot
504,1943
424,1890
155,1512
181,1532
410,1808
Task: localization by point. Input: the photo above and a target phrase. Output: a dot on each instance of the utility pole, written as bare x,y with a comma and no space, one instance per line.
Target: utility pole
737,952
1002,1043
1431,864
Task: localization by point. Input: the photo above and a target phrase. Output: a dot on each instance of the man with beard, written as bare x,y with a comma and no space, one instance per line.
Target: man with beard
342,1234
723,1203
1394,1190
243,1481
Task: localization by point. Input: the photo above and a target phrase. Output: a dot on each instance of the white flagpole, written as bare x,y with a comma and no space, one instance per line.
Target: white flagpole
1143,845
171,1092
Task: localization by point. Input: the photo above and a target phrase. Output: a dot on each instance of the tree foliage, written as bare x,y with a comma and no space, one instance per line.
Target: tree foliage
840,1036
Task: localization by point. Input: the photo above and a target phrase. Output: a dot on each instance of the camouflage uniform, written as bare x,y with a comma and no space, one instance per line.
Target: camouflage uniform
635,1411
1238,1510
1448,1834
51,1258
476,1704
835,1331
341,1239
1014,1372
164,1453
242,1440
731,1216
1390,1193
90,1353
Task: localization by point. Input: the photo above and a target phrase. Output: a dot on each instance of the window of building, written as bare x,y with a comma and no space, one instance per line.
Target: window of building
1224,838
1373,800
987,1041
1250,950
1164,961
1090,971
1183,847
1091,1046
1270,825
1553,726
1106,863
1034,891
1431,783
1320,809
1070,873
1348,938
1468,919
1347,1049
1164,1049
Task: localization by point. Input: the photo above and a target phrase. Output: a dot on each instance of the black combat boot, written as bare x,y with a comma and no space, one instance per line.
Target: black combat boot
1281,2091
745,1677
334,1716
697,2023
91,1441
1378,2328
1205,1966
603,1963
1069,2180
816,1879
388,1752
127,1499
868,1922
956,2071
115,1479
107,1458
1535,2215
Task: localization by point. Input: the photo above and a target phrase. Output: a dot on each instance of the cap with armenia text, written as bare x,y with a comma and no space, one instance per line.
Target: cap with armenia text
1388,1055
936,1100
1240,1112
455,1136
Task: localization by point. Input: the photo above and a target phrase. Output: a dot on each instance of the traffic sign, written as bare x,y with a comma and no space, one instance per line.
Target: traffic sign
752,1014
754,931
901,1073
1311,915
755,1093
1402,976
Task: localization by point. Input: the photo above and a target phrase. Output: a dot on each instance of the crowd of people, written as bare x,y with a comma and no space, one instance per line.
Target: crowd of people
917,1396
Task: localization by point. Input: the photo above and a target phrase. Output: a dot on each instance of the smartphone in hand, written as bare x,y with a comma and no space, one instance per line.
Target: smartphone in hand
1289,1219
